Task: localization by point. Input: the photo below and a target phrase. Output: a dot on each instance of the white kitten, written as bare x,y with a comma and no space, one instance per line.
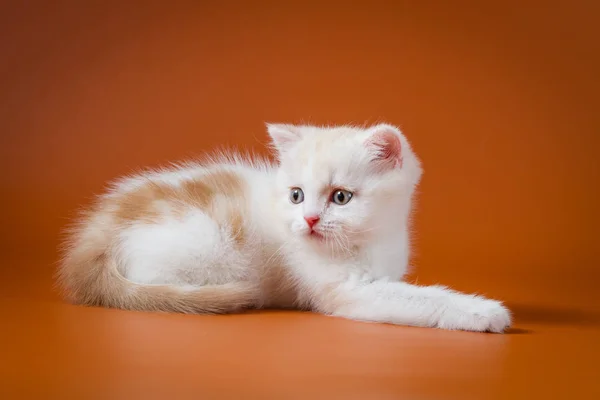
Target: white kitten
325,230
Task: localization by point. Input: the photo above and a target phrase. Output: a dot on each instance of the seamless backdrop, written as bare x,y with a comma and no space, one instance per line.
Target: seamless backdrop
499,99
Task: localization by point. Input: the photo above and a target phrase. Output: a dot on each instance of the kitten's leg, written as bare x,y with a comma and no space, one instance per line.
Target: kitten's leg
405,304
193,251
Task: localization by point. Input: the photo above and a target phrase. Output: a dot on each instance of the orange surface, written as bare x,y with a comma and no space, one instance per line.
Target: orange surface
500,100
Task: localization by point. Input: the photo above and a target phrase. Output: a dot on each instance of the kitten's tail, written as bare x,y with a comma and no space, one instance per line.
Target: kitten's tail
96,281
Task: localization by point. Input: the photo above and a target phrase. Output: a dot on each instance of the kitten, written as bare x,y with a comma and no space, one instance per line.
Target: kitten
326,229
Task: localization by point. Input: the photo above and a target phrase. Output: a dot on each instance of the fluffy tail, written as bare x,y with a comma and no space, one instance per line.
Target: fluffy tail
94,280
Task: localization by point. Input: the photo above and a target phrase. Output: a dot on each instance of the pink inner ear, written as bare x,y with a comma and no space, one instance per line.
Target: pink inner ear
388,150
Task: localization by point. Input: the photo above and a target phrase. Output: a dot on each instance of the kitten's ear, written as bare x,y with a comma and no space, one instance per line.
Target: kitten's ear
284,136
383,142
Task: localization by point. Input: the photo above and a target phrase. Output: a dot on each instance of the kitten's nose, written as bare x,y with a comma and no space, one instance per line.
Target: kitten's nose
312,220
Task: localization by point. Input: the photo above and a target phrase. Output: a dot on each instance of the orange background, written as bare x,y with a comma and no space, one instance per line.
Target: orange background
500,101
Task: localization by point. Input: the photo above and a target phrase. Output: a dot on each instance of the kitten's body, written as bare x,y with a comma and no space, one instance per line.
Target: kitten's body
227,235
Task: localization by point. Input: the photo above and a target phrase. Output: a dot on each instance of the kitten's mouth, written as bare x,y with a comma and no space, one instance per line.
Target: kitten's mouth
316,235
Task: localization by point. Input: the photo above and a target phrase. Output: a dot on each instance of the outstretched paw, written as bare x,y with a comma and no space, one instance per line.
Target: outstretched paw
474,313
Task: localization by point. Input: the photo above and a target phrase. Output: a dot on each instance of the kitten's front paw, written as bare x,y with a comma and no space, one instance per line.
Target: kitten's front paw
471,313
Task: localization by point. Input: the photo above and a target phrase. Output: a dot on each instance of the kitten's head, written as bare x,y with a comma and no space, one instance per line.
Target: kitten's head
339,187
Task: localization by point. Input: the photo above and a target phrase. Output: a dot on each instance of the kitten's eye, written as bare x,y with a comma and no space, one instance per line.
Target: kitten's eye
296,195
341,197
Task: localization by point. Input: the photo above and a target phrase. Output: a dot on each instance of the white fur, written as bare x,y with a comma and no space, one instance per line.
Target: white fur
355,274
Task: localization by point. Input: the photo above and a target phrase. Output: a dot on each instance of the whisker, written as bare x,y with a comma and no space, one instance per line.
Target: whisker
363,230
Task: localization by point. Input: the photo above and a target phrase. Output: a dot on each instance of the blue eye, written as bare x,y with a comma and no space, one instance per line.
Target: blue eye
341,197
296,195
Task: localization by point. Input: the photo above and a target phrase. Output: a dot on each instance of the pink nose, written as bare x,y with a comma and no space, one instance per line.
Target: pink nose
312,220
